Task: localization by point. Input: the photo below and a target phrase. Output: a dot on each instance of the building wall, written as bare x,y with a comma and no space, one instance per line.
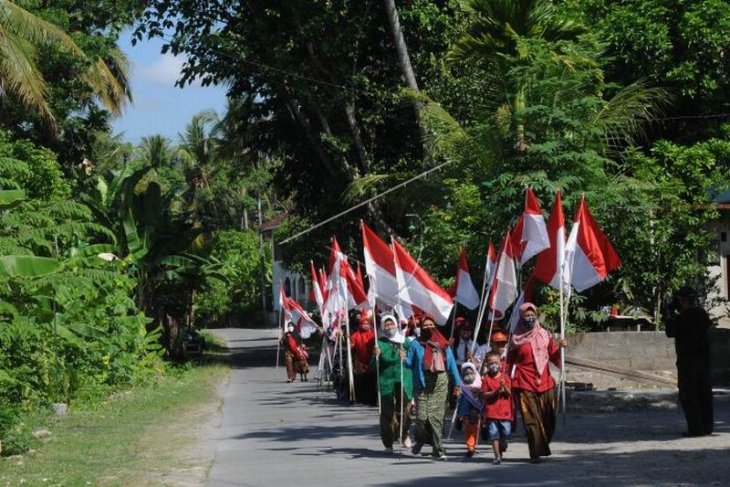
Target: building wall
297,288
645,351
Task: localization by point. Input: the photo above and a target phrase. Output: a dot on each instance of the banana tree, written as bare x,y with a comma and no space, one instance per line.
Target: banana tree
154,234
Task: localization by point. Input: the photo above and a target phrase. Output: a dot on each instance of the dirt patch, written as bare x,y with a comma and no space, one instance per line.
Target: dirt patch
181,451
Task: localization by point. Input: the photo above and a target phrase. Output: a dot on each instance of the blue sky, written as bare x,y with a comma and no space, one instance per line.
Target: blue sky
159,107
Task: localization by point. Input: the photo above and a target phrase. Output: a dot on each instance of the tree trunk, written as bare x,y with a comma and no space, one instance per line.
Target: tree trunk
400,45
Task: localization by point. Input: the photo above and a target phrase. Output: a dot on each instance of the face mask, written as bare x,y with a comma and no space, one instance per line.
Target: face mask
291,329
492,369
529,321
365,327
426,333
389,332
469,378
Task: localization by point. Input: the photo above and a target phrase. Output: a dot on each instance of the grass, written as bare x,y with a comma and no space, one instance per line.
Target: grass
148,436
211,342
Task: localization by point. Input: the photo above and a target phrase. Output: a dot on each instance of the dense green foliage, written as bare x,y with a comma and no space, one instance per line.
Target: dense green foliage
625,102
513,93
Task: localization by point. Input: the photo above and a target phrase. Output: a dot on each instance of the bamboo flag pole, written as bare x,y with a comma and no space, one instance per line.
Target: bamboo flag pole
486,289
562,350
453,320
377,362
279,329
400,421
350,374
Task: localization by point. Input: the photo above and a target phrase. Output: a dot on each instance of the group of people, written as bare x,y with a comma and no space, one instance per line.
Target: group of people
414,371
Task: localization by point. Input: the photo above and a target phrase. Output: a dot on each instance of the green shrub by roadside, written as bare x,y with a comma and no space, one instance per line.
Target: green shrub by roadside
118,441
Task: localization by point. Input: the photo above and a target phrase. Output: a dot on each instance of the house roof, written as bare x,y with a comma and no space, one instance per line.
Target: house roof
273,222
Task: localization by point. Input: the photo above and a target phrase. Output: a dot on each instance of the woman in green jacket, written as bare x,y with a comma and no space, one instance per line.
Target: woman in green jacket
396,385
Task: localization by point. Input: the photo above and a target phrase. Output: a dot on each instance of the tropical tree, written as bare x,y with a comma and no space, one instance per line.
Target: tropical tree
504,27
22,34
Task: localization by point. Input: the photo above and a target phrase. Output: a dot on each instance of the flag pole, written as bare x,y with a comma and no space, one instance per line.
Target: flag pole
400,421
350,374
486,289
453,320
279,327
377,362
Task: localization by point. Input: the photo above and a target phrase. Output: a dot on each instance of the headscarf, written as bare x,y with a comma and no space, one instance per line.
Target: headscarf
477,384
436,340
399,337
537,336
469,390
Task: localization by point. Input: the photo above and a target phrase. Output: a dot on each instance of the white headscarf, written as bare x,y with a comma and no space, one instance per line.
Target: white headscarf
477,384
399,336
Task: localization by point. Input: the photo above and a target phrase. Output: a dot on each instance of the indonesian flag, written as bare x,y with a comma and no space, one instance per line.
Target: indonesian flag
504,288
316,289
358,277
323,283
380,268
491,263
549,263
466,293
282,297
342,281
417,288
294,312
589,256
530,236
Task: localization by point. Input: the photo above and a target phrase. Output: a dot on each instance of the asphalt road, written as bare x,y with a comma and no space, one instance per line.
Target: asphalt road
273,433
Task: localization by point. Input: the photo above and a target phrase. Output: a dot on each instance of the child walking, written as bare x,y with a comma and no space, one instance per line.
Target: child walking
470,406
496,392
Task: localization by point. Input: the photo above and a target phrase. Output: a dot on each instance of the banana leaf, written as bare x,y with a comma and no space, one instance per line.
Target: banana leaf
11,197
27,266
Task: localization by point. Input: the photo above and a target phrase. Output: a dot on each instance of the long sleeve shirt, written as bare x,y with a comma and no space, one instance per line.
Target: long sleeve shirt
414,361
525,370
391,369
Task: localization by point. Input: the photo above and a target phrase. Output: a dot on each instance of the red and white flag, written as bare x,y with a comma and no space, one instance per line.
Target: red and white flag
380,268
491,263
282,298
589,256
323,283
316,289
465,292
343,288
294,313
358,277
504,288
549,264
530,236
417,288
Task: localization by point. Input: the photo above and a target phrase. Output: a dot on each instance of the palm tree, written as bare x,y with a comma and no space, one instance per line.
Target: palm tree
154,151
21,36
197,152
497,29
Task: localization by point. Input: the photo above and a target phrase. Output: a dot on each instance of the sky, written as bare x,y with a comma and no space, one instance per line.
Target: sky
159,107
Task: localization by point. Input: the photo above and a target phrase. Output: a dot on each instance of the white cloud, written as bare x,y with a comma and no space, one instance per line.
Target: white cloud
165,70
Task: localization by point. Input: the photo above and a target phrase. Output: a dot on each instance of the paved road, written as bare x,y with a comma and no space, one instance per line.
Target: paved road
273,433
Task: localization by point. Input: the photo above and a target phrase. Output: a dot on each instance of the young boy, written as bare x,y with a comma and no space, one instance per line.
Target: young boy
470,406
496,392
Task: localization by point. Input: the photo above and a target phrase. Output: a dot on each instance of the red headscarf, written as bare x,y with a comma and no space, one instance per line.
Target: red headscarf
437,339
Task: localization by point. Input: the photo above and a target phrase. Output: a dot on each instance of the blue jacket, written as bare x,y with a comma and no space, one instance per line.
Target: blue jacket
414,361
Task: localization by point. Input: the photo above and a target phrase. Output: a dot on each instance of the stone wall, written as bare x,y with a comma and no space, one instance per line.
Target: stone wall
645,351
